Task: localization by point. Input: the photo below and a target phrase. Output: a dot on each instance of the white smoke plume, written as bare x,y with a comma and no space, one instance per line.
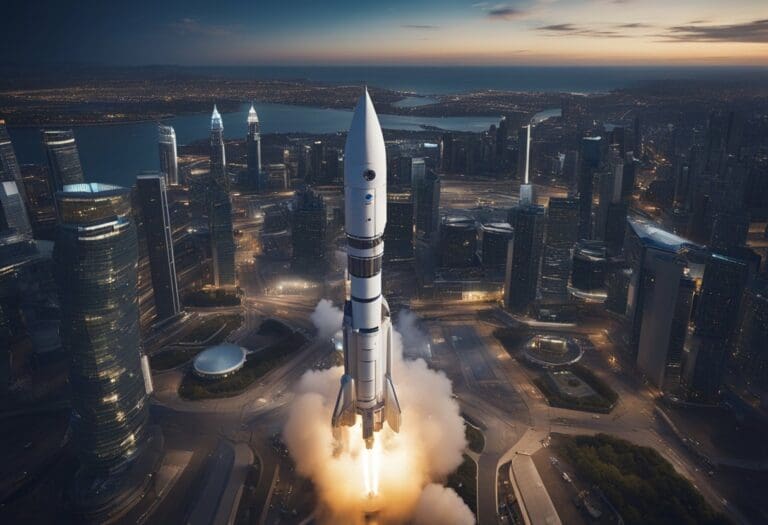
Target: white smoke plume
415,342
326,318
413,463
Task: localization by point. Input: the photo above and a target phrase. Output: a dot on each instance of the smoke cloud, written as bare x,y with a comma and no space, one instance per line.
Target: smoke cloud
413,462
326,318
415,342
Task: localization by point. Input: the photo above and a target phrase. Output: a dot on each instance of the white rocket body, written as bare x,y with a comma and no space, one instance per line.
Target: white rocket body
366,386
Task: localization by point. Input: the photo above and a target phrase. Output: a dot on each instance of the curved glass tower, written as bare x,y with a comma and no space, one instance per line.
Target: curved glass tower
169,164
96,256
63,158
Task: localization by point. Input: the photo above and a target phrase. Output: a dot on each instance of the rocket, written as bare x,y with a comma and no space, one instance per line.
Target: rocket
366,386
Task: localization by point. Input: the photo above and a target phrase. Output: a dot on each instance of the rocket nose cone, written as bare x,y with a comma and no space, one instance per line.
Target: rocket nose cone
365,141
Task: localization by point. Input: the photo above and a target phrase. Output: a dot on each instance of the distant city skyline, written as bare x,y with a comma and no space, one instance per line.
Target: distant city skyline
341,32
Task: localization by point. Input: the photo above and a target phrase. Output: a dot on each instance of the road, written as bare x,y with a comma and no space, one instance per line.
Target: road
484,374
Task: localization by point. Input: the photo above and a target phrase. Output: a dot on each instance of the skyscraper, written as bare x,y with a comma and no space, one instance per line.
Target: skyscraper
611,213
715,320
253,151
220,208
96,255
169,165
40,200
9,164
153,201
309,227
524,256
493,240
408,169
426,200
63,158
667,301
590,161
398,235
13,213
562,235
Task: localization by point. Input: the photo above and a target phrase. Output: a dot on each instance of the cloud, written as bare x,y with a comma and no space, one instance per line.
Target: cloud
574,30
633,25
188,26
755,31
422,27
500,11
505,13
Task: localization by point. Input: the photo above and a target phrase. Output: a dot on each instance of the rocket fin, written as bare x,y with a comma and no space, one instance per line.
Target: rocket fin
391,406
344,411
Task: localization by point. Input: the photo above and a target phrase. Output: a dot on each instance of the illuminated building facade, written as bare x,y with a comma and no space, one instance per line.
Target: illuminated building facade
96,255
169,164
153,202
63,158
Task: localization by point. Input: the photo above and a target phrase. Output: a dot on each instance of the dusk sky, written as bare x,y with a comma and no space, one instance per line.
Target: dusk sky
438,32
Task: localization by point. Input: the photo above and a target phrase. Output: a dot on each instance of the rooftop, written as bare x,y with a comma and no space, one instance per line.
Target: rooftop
220,360
651,234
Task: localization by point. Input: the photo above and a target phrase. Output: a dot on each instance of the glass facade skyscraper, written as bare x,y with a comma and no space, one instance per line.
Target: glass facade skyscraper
220,208
153,202
13,202
96,256
169,164
562,235
253,151
524,258
63,158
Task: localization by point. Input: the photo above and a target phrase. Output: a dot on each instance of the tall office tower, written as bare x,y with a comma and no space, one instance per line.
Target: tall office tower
447,153
153,201
14,219
333,172
41,207
309,231
571,171
426,205
637,138
169,163
502,135
590,161
409,169
13,213
611,213
561,236
398,234
493,240
253,151
524,256
715,320
631,169
317,163
220,208
618,137
96,256
458,241
750,349
9,165
644,241
63,159
667,301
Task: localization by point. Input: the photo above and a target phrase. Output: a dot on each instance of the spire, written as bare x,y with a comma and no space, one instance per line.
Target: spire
365,142
527,152
216,123
252,116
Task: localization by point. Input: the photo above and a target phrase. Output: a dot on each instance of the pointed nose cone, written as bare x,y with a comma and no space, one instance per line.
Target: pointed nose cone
365,143
216,123
252,116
